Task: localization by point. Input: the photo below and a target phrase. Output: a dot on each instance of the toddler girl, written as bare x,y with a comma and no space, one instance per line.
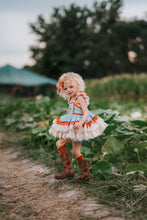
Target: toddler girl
78,125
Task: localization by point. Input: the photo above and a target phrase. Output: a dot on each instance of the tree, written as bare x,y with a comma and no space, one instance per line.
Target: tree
92,42
63,39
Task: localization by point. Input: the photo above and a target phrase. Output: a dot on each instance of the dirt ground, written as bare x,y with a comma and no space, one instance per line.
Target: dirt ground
29,191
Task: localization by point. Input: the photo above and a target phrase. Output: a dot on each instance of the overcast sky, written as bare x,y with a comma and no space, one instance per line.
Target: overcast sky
15,16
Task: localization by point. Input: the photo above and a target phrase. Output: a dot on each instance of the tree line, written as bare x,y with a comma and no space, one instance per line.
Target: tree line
92,42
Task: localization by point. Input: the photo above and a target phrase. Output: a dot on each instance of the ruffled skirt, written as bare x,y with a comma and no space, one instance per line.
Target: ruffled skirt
63,127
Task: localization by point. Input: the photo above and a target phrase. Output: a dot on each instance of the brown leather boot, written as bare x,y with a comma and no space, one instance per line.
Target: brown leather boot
68,171
84,168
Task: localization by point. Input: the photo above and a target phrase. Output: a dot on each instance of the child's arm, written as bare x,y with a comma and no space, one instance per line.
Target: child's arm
83,105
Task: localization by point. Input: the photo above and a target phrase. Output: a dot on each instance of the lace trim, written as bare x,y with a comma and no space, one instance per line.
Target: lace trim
83,94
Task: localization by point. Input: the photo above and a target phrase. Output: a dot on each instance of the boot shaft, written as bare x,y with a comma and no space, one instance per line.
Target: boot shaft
68,171
84,168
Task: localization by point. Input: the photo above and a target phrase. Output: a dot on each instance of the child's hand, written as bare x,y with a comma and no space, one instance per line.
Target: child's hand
76,126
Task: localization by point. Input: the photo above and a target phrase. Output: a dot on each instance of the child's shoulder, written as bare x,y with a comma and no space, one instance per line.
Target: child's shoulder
84,95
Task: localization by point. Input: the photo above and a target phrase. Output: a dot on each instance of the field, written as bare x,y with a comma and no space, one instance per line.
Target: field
118,159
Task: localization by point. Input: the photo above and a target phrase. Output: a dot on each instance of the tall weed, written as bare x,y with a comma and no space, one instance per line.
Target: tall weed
124,87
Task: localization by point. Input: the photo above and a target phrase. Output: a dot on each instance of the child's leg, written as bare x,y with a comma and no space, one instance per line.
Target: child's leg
83,164
62,142
76,148
66,158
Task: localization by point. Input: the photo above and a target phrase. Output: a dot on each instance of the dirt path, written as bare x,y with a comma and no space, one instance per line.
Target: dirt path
27,191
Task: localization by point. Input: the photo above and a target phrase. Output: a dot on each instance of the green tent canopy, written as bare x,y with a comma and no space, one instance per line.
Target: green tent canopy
13,76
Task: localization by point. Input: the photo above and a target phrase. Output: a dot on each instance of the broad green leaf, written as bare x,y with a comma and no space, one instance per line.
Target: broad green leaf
38,130
32,125
121,130
112,146
136,167
139,122
87,151
22,126
10,121
128,126
138,172
103,169
124,136
41,134
115,159
95,158
50,137
143,144
110,128
27,119
131,154
110,119
123,119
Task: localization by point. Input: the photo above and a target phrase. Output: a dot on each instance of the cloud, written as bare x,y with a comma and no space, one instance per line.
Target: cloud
17,59
15,16
14,31
134,8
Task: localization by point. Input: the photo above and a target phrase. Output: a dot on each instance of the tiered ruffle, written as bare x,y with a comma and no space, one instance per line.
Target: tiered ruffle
89,130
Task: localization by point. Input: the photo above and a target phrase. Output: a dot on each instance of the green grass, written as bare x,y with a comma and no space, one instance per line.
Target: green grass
118,158
117,192
124,88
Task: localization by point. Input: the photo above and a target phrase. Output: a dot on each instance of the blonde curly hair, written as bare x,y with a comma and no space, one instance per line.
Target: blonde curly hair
76,79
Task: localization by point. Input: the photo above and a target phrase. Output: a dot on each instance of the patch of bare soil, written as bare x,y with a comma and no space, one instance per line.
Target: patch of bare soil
27,191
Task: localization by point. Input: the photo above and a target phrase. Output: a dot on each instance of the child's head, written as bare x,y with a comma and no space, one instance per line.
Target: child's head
73,79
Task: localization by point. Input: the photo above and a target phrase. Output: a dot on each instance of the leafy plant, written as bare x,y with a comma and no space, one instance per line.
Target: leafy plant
118,157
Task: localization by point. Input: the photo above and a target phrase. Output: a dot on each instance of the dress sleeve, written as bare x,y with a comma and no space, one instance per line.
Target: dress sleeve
84,95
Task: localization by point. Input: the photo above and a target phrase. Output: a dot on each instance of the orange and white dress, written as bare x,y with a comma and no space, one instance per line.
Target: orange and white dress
63,125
